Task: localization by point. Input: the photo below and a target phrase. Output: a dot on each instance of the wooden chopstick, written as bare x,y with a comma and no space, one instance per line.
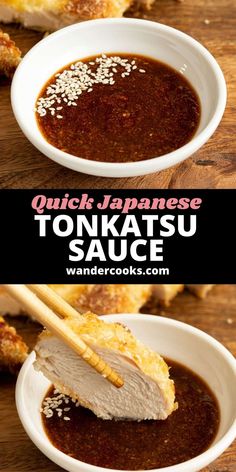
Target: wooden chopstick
54,301
56,325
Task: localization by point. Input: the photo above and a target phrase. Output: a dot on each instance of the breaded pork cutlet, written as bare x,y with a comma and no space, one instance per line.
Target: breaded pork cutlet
110,298
100,299
147,393
113,298
13,350
10,55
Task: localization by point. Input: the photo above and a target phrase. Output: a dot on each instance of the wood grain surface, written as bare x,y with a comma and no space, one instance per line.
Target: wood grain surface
216,315
214,166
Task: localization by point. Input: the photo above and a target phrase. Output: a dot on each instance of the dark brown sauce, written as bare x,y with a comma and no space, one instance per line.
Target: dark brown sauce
141,116
145,445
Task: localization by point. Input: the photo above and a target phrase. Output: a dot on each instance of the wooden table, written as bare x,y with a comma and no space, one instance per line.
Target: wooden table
213,22
216,315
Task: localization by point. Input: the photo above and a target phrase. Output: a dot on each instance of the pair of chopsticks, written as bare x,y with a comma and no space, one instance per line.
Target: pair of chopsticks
49,309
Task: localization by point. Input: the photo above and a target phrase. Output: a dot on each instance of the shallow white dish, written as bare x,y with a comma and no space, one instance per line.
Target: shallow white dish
173,339
123,35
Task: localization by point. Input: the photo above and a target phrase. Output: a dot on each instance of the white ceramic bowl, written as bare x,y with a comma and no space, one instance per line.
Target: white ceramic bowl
173,339
125,35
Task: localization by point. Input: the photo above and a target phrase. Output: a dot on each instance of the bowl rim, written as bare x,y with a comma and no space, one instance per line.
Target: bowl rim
147,165
64,460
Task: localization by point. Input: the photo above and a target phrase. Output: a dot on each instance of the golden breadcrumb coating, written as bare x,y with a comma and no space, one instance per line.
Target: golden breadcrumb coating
13,350
83,8
10,55
50,15
70,292
113,298
105,298
96,8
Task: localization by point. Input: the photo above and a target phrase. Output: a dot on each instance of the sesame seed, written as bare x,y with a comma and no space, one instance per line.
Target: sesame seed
51,405
79,78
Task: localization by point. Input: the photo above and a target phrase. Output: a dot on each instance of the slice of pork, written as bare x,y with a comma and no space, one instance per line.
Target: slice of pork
148,392
55,14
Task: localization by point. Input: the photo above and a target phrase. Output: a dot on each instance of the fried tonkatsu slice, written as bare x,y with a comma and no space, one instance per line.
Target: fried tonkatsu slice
50,15
10,55
112,298
13,350
100,299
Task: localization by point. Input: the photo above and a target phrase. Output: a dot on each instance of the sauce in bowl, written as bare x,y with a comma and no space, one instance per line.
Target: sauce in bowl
132,445
118,109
